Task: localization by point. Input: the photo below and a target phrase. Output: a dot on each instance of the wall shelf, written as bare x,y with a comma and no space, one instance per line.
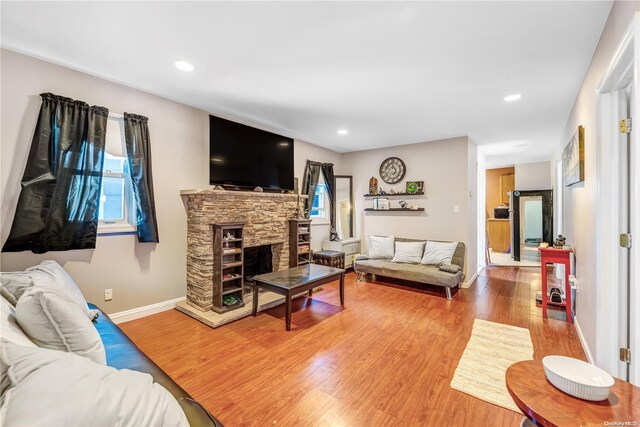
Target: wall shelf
394,210
394,195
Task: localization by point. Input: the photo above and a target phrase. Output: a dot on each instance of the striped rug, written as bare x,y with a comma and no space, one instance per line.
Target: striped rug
492,348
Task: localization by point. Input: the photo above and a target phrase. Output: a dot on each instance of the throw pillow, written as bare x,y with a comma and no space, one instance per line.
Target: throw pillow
381,247
62,389
11,332
408,252
47,273
53,320
453,268
438,253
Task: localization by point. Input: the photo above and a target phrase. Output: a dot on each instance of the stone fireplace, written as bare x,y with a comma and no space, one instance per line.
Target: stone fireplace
266,222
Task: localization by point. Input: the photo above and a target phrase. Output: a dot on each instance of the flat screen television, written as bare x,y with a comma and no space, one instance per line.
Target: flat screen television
242,157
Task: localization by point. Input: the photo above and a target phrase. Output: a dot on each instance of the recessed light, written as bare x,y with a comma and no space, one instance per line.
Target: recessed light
183,65
343,132
513,97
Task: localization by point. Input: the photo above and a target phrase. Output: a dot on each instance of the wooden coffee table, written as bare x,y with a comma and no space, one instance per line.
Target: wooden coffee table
547,406
295,280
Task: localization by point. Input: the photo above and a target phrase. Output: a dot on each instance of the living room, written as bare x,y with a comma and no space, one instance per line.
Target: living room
410,125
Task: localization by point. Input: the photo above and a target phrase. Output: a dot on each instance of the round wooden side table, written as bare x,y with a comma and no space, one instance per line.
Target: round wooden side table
547,406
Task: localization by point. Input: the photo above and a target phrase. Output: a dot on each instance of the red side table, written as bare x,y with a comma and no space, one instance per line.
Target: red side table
556,256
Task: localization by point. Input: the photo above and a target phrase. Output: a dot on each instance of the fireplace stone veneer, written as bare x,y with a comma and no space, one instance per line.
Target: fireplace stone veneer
266,222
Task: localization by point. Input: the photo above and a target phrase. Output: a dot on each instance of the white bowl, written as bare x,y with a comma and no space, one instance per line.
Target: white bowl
577,378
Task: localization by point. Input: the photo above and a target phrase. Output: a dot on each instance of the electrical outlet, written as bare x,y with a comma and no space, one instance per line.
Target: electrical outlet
456,209
108,294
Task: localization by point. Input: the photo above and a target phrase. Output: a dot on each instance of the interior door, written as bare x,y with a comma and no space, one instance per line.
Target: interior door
624,220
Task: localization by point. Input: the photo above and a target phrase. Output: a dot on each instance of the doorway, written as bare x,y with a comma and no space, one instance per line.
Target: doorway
530,228
618,160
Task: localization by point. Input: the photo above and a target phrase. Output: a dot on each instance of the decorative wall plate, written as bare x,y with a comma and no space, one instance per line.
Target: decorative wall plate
392,170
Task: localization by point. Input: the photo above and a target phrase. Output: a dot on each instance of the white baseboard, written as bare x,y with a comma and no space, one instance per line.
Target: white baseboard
147,310
585,346
473,278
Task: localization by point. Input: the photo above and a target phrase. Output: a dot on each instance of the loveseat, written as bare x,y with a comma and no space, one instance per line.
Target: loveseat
447,276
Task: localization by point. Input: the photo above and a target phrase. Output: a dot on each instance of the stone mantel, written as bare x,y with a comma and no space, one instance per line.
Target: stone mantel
266,222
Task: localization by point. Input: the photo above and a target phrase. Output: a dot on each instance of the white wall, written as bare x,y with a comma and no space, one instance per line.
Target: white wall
444,167
533,176
579,200
139,274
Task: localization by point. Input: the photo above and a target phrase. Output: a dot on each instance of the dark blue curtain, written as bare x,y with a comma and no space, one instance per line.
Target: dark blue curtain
136,133
309,183
58,204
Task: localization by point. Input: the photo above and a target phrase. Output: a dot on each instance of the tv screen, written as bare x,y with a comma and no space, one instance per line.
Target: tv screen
245,157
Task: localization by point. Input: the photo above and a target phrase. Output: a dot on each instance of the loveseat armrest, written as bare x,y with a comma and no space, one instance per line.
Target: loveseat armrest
362,257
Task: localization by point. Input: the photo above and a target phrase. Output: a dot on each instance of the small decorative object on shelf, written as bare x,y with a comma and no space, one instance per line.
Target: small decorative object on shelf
414,187
403,204
382,192
559,242
373,186
258,190
392,191
392,170
381,203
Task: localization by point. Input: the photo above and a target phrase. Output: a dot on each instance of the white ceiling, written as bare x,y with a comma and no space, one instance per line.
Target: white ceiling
390,72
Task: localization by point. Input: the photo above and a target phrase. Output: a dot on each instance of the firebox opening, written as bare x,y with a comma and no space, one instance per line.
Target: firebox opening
257,260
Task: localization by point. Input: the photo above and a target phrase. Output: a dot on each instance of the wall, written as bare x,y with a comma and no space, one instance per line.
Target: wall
139,274
492,195
533,176
444,167
579,201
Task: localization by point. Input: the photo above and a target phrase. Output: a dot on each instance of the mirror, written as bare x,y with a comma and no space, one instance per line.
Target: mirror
344,206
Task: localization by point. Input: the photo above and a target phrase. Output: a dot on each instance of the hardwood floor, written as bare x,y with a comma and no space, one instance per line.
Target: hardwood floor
387,358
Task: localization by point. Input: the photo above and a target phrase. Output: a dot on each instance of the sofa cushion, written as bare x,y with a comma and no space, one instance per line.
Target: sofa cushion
48,274
381,247
453,269
408,252
429,274
122,353
12,332
61,389
438,253
52,319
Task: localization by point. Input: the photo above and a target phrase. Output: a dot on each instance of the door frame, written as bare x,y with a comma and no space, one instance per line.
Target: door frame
623,70
547,217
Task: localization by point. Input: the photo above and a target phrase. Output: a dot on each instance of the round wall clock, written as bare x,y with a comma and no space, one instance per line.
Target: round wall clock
392,170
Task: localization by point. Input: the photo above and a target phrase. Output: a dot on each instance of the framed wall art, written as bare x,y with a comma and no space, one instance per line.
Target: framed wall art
573,159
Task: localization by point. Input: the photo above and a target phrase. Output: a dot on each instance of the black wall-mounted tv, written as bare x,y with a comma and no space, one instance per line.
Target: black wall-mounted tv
242,157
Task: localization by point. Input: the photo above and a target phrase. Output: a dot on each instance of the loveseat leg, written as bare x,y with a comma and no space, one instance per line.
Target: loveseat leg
448,290
360,276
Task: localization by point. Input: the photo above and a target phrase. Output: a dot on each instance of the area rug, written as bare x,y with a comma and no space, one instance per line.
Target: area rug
492,348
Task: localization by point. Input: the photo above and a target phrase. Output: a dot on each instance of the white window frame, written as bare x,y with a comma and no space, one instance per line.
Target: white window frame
323,208
128,224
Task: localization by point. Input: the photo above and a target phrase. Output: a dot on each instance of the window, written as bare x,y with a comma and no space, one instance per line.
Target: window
117,213
320,207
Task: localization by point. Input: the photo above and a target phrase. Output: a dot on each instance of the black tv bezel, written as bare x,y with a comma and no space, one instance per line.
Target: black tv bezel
234,187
